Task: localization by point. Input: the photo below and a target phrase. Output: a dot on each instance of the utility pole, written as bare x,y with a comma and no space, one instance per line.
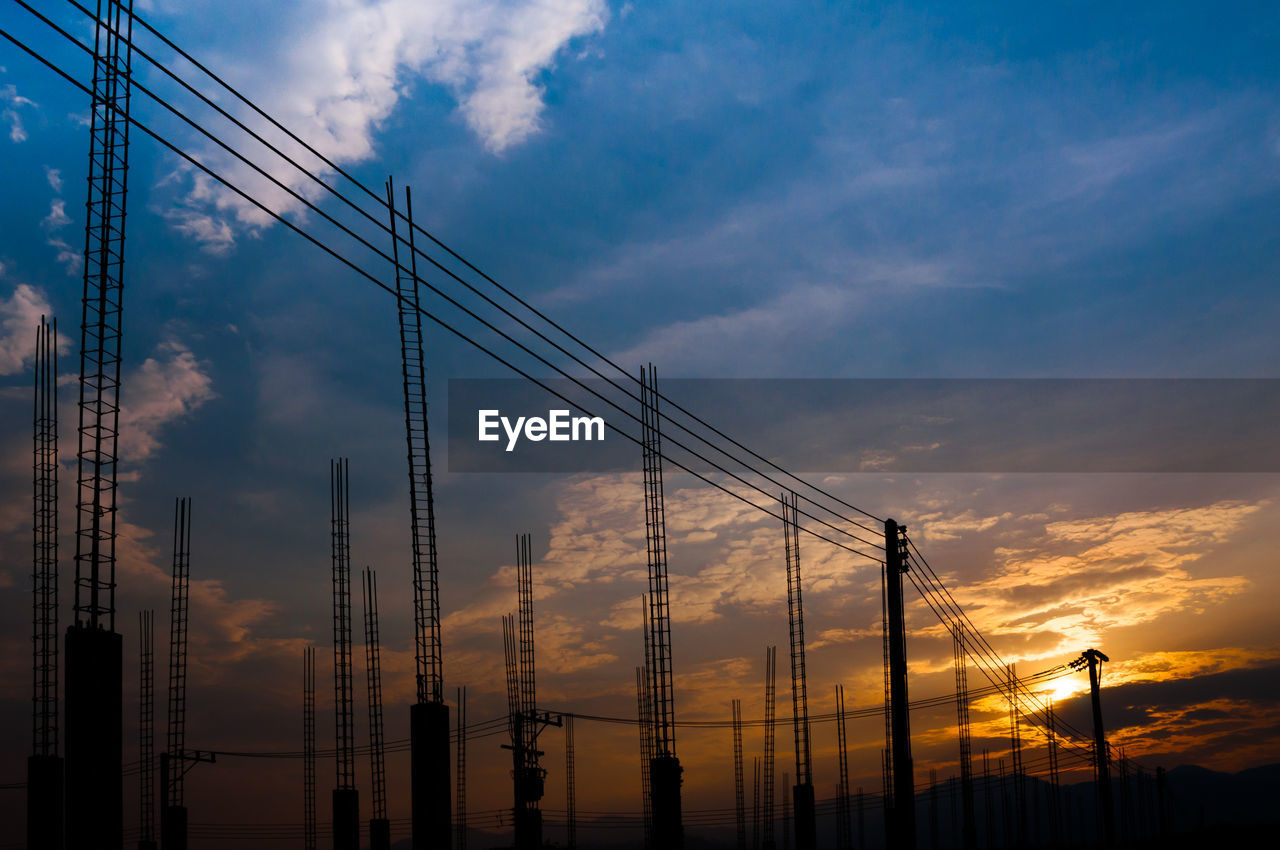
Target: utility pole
1101,761
94,649
525,721
44,766
429,715
903,834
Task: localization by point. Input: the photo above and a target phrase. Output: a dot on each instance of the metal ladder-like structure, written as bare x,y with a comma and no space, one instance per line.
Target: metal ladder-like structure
969,834
770,746
176,736
309,748
146,730
44,576
426,578
344,713
373,680
739,795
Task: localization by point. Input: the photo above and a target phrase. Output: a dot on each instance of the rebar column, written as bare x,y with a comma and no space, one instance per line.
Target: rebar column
806,828
146,731
461,815
173,816
570,792
644,711
309,748
739,796
346,797
665,771
44,766
969,826
767,810
429,716
379,826
844,835
94,650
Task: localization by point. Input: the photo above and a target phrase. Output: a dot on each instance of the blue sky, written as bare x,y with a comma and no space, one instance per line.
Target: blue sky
765,190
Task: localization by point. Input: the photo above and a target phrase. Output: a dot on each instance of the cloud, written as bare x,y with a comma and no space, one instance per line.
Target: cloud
165,389
57,217
1085,576
55,221
13,101
54,176
19,317
342,69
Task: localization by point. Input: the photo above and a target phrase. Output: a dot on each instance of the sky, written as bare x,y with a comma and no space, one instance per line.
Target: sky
870,190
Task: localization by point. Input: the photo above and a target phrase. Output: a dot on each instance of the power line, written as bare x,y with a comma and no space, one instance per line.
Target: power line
460,334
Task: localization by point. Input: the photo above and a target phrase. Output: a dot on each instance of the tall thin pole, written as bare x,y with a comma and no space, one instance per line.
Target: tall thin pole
570,792
346,801
665,771
45,767
844,836
755,805
904,819
173,764
1018,773
806,816
1101,757
309,748
44,527
770,689
146,731
1055,781
95,659
969,828
379,826
739,797
644,711
460,816
429,716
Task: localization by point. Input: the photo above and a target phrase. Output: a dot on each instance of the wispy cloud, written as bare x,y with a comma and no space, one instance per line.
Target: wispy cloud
19,317
343,68
1083,577
12,102
166,388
